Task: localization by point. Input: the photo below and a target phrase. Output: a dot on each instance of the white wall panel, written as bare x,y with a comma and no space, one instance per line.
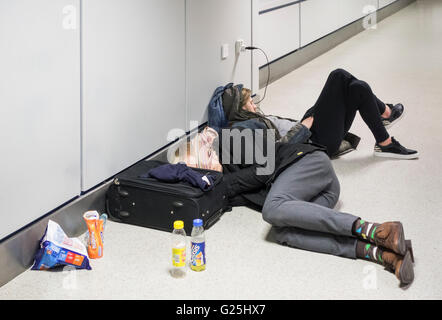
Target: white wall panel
318,18
133,81
277,32
212,23
39,108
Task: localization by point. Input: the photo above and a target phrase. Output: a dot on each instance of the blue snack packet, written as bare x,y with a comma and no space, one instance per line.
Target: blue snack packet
56,249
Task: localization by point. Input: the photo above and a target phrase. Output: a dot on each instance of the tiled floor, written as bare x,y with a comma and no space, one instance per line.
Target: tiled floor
401,60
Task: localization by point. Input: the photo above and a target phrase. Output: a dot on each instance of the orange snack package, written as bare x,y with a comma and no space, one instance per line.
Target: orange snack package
95,226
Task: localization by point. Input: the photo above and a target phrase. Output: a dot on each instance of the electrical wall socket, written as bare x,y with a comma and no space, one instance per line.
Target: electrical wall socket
239,46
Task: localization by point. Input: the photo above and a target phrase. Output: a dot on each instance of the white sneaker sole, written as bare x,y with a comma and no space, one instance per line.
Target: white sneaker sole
395,121
396,156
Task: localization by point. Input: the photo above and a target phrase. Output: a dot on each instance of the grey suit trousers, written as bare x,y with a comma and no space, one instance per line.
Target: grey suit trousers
299,206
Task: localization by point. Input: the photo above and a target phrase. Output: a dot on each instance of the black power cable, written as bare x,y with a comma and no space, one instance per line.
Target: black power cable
268,70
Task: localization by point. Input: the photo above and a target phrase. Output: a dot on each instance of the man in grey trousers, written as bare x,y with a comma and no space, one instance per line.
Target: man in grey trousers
300,205
298,200
299,197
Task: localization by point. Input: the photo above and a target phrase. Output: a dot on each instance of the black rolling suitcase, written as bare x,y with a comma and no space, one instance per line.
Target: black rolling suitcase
150,203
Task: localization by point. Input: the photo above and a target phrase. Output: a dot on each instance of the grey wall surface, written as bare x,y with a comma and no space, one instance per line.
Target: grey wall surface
39,108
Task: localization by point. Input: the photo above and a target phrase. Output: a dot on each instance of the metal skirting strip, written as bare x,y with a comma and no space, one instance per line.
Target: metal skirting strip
286,64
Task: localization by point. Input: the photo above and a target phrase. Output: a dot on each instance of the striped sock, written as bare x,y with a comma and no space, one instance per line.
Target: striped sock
365,230
369,252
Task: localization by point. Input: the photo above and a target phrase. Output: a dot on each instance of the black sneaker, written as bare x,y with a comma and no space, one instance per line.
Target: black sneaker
397,112
395,150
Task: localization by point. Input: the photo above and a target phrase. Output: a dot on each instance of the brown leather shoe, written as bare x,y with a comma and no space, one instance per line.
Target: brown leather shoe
402,266
390,235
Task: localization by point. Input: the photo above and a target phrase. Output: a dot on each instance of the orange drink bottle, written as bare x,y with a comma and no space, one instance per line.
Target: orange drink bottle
95,226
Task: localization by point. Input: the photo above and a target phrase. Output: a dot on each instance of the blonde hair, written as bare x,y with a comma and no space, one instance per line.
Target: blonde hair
245,96
198,152
188,152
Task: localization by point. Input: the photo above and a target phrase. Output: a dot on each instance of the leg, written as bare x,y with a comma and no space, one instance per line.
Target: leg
315,241
381,106
401,265
336,107
361,96
330,196
330,112
304,224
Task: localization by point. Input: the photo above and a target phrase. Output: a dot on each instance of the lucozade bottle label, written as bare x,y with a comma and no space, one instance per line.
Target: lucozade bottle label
198,258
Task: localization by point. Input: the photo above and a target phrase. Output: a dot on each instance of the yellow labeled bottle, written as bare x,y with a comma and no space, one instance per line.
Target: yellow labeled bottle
178,250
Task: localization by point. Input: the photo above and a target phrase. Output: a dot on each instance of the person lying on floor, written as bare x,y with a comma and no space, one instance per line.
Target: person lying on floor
329,120
298,198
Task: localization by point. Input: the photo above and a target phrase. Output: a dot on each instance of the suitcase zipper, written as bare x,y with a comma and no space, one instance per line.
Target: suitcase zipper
184,190
164,186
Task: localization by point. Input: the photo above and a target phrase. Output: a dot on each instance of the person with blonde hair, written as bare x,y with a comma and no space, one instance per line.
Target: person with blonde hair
199,152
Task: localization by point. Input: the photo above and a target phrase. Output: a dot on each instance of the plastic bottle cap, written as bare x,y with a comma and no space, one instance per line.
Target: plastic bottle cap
197,223
178,224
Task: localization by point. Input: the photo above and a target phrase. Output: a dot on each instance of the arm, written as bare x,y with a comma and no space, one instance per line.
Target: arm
245,180
241,171
299,133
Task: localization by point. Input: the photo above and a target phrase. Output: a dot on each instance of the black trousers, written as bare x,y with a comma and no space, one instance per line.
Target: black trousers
334,111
